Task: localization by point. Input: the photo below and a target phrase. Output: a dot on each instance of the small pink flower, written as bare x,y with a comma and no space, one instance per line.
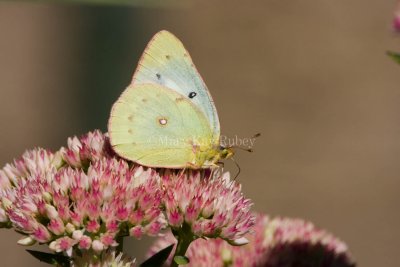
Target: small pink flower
98,246
56,226
136,231
175,218
41,234
85,242
62,244
210,204
92,226
51,211
77,234
108,240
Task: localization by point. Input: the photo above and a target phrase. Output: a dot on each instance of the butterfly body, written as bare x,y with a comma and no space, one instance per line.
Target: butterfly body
166,117
210,156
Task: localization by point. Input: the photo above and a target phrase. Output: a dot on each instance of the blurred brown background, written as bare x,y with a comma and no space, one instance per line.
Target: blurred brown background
311,76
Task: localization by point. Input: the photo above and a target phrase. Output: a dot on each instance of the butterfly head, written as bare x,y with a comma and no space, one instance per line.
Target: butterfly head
226,152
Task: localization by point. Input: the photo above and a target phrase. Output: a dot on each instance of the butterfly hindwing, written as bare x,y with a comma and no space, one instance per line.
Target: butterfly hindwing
157,127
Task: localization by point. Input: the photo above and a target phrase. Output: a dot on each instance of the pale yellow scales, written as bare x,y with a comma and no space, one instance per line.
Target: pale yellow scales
166,117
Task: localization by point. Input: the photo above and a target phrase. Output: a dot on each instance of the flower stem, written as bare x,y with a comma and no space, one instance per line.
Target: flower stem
181,249
120,246
184,237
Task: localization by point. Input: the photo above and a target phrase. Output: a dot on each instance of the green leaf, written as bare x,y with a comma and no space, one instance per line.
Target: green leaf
181,260
395,56
159,258
53,259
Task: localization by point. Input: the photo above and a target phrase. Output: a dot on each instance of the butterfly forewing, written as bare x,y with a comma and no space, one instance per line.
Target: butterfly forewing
165,61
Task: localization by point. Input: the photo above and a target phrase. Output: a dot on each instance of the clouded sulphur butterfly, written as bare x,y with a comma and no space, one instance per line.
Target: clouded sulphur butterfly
166,117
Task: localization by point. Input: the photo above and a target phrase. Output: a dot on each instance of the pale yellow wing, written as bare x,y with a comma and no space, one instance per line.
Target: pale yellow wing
158,127
165,61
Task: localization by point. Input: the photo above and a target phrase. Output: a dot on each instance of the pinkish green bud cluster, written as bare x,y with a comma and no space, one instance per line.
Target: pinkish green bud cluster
210,205
274,243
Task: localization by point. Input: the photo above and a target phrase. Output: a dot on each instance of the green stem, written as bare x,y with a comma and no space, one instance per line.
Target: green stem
120,247
184,237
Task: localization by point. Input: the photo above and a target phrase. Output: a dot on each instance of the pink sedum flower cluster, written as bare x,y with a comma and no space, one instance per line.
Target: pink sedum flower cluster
396,19
209,204
295,242
32,162
85,198
80,197
274,243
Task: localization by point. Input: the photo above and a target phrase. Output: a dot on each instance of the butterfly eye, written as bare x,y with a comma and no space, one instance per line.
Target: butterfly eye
192,94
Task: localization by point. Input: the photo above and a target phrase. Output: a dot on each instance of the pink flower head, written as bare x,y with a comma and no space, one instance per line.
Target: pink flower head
89,201
32,162
298,242
273,243
87,206
211,205
396,20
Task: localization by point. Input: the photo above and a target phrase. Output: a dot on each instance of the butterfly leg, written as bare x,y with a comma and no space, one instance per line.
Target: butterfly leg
220,164
191,165
182,172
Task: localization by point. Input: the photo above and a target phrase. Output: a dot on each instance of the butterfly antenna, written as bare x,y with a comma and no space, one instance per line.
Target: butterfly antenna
257,135
237,165
243,148
248,149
